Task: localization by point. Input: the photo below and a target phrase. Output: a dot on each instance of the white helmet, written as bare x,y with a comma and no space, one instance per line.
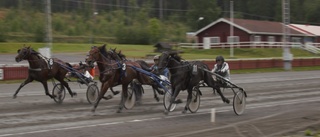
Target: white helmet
156,57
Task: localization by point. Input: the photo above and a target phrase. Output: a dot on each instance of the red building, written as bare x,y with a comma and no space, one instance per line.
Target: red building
244,31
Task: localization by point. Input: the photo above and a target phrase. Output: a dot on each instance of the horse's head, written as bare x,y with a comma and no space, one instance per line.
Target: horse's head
23,53
166,57
93,56
163,60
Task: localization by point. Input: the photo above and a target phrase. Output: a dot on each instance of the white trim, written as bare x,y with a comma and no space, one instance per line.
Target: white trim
242,28
222,20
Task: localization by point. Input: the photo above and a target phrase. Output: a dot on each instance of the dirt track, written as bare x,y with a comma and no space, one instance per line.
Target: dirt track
278,104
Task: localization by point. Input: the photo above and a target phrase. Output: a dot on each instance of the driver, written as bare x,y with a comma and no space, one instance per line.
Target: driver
221,68
154,68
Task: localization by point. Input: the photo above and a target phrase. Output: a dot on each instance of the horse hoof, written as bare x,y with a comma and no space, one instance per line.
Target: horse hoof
166,112
74,94
118,111
227,101
14,97
184,111
161,92
157,99
108,97
116,92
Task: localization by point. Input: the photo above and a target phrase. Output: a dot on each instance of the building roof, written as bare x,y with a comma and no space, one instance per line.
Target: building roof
254,26
307,29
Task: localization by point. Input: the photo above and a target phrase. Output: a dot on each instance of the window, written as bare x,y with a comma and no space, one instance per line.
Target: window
271,40
257,39
215,40
233,39
296,39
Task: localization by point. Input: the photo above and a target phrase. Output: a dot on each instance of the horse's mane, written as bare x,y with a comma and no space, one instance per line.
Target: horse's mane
103,51
119,54
34,52
176,56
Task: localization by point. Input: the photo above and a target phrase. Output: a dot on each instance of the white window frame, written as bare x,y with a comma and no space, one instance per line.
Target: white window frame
214,40
257,39
233,39
271,40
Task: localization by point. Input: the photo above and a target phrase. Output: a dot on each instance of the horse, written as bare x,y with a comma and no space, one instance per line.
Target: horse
42,69
118,56
185,77
112,73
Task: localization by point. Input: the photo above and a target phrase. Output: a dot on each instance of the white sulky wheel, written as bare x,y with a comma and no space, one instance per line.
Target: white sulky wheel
92,93
59,93
239,102
130,101
167,98
195,101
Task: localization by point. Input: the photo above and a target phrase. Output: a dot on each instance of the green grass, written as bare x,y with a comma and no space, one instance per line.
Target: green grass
140,51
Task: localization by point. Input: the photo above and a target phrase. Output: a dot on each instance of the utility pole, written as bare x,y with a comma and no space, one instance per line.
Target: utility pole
231,29
287,56
94,14
48,38
160,9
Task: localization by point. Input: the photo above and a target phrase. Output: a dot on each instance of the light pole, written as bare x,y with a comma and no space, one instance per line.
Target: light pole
199,19
93,24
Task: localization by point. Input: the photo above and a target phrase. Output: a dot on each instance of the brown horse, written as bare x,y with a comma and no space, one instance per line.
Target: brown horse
184,76
118,56
112,73
41,69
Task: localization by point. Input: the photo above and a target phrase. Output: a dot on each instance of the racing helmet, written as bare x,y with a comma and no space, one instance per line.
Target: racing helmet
219,58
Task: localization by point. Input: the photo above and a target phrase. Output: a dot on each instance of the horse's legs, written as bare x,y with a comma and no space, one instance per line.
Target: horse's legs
45,86
224,99
28,80
155,93
214,84
65,84
189,99
124,96
104,89
176,91
114,92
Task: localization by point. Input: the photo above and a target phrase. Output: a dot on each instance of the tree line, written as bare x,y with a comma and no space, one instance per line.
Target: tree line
140,21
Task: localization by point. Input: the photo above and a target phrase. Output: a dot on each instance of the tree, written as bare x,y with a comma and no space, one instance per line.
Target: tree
207,9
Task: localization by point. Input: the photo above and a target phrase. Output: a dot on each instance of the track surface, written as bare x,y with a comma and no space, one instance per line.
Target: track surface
278,104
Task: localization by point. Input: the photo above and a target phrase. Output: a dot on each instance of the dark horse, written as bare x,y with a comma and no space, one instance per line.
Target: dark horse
184,76
112,73
41,69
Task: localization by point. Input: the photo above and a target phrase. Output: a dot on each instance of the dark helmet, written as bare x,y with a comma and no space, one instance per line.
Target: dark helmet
219,58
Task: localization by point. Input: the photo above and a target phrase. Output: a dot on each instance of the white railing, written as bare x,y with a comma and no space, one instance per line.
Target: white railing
249,45
311,48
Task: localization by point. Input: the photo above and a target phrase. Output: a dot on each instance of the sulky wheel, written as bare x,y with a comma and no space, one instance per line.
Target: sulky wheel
92,93
130,101
59,93
195,101
239,102
166,100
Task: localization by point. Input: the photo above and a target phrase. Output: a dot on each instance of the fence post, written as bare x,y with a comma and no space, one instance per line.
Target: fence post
1,74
